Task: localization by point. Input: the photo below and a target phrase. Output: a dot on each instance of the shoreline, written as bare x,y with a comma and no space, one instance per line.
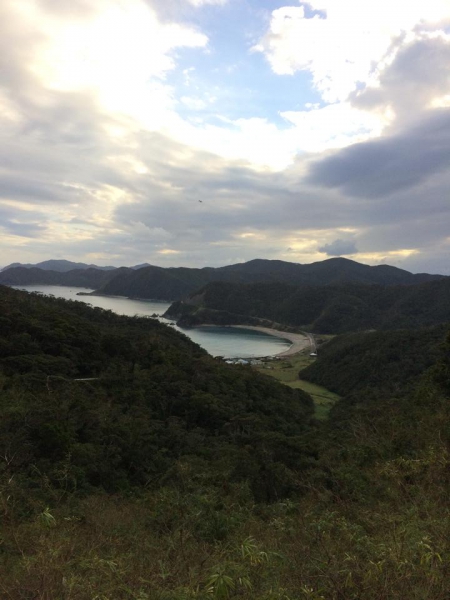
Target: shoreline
123,297
299,341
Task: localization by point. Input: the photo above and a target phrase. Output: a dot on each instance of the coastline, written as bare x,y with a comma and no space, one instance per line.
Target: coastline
299,341
122,297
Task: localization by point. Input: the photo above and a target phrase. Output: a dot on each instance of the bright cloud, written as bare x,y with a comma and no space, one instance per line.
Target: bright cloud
121,53
126,135
203,2
348,42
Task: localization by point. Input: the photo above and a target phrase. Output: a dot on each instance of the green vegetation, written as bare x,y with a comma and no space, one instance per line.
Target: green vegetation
385,361
330,309
175,283
88,278
287,370
176,477
157,397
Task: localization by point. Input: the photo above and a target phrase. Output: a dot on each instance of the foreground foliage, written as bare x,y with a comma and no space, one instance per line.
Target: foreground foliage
142,489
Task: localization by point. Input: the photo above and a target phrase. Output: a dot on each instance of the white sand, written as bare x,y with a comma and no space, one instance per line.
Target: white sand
299,341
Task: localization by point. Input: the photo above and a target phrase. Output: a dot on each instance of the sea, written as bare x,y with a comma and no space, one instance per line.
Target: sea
228,342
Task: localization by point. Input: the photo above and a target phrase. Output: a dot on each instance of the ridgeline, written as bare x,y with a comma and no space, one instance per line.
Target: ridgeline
157,283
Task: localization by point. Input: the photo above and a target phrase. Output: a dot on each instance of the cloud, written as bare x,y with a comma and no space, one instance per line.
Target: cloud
198,3
378,168
418,78
341,46
339,248
333,126
121,55
20,223
86,171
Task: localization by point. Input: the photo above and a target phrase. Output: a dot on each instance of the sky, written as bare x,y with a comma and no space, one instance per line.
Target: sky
211,132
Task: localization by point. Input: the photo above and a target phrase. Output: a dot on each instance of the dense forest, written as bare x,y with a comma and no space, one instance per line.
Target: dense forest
60,265
135,466
386,361
337,308
158,283
88,278
125,398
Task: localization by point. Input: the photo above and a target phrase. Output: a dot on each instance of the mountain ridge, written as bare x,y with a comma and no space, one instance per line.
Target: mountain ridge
174,283
334,308
64,266
58,265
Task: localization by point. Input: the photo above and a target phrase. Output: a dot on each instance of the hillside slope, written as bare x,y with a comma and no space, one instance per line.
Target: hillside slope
158,283
61,266
155,397
326,309
389,362
88,278
175,477
177,283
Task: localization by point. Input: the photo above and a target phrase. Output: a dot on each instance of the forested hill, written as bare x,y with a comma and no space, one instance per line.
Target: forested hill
172,476
153,397
385,362
159,283
337,308
61,266
177,283
88,278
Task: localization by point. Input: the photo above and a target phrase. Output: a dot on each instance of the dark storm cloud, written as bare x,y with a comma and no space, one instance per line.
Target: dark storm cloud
381,167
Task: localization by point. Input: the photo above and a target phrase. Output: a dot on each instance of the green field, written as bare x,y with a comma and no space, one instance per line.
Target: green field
286,370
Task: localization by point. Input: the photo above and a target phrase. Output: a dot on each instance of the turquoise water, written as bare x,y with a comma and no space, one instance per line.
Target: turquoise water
218,341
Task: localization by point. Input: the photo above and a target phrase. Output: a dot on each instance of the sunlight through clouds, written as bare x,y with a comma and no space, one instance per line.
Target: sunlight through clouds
122,53
341,45
212,131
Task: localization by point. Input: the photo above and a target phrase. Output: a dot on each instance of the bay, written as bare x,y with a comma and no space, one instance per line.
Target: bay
217,341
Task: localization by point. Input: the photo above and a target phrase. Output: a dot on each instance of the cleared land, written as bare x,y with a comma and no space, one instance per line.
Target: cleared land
286,370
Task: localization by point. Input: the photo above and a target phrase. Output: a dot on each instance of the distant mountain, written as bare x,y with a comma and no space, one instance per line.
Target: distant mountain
176,283
141,266
89,278
158,283
61,266
332,270
334,308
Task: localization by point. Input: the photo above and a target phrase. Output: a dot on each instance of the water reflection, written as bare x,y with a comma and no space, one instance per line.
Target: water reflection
218,341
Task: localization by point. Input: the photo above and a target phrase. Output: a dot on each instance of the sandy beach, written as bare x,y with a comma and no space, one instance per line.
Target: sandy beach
299,341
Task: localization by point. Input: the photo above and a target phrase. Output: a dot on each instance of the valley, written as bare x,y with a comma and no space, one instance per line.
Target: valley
136,465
